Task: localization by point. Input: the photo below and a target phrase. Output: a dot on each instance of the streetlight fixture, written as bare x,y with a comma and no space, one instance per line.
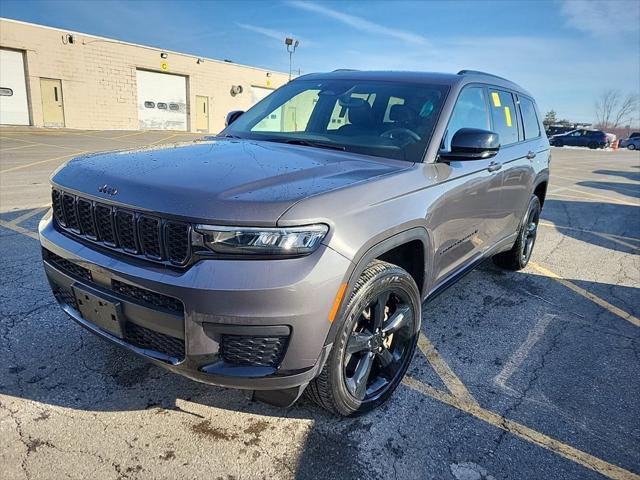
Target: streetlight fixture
291,44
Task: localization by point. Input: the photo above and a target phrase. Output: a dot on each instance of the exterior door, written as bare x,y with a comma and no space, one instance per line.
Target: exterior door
162,101
14,109
466,223
202,113
52,104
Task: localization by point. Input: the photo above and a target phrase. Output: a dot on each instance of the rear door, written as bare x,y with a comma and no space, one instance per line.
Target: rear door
516,172
518,168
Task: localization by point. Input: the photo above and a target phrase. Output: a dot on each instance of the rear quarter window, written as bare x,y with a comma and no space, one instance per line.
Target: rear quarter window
529,118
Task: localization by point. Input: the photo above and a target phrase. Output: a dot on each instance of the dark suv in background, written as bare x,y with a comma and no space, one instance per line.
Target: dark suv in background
295,250
581,138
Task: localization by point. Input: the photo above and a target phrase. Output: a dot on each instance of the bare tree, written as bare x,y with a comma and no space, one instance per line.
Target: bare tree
613,109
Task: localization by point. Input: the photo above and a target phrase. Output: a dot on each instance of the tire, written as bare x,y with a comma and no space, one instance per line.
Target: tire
631,146
593,145
519,255
558,143
336,388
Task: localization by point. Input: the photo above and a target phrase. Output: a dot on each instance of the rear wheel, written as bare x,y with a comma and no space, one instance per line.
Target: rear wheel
518,257
593,145
374,343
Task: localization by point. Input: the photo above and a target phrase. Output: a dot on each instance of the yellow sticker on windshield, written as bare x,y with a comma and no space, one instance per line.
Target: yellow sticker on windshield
507,116
496,99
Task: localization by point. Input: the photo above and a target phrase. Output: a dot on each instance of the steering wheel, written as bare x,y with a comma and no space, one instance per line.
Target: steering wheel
400,132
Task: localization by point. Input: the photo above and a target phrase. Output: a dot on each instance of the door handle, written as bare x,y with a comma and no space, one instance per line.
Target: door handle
494,166
531,155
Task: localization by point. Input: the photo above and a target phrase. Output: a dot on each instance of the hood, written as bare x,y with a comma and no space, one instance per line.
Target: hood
227,181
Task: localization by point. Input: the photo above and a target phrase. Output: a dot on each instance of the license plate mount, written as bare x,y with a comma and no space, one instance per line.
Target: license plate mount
100,310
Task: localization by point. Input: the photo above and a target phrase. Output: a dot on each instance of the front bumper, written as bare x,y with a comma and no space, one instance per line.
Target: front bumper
209,303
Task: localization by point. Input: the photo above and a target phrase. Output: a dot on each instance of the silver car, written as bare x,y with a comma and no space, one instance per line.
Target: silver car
295,250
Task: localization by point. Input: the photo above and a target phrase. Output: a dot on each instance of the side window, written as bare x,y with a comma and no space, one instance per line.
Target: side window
529,118
503,113
470,112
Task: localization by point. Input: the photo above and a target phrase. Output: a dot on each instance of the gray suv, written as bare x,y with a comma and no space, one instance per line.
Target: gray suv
295,249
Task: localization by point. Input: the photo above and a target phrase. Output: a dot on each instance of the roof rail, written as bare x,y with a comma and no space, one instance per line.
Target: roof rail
345,70
478,72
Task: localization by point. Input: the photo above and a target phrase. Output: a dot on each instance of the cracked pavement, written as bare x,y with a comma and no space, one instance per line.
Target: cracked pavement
74,406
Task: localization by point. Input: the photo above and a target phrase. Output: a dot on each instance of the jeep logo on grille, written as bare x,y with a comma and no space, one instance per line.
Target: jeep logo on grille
108,190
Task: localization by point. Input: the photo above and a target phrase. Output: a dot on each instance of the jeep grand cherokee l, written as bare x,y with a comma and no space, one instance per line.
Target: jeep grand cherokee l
295,250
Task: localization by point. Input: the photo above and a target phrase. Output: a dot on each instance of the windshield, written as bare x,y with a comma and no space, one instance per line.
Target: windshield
385,119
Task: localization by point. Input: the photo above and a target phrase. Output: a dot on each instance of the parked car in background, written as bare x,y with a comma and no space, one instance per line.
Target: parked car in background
581,138
558,130
632,143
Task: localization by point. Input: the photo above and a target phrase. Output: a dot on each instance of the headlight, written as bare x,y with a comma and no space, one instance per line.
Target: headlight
260,241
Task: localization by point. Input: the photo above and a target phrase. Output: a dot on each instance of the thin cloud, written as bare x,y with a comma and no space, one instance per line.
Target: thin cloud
362,24
602,17
274,34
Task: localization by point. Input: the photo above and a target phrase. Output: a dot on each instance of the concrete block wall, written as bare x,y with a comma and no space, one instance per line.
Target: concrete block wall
99,77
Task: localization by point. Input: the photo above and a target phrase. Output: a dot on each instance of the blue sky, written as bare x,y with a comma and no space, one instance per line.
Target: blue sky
566,52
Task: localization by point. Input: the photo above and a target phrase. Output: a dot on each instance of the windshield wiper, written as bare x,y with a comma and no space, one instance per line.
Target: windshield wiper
311,143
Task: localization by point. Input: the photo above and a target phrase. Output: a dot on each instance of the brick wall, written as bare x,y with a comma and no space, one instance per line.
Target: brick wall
99,77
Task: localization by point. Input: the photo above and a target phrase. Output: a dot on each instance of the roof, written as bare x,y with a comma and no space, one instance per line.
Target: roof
451,79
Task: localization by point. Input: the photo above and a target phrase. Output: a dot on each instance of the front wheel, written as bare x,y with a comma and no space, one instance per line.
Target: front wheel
631,146
374,343
518,257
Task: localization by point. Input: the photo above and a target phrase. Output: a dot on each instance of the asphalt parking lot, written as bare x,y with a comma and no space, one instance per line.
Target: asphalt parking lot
528,375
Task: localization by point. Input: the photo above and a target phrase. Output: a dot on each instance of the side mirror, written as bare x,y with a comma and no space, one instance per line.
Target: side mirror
232,117
472,144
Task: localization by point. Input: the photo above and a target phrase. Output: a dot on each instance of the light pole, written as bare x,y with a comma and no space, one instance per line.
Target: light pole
291,44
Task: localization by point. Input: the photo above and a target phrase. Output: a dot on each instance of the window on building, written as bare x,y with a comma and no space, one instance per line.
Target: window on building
162,106
6,92
174,107
529,118
503,113
470,112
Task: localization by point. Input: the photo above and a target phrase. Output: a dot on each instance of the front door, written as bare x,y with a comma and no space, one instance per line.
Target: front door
52,105
466,224
202,114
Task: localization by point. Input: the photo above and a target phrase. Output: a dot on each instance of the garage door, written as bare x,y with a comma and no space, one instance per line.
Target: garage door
13,89
162,101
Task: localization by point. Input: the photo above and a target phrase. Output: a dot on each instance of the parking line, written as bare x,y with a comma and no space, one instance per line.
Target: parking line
453,383
595,195
522,352
166,138
2,150
585,230
19,229
39,143
526,433
28,215
130,134
609,200
586,294
20,167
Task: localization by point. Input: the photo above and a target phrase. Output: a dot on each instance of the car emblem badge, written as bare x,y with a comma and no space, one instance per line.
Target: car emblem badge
108,190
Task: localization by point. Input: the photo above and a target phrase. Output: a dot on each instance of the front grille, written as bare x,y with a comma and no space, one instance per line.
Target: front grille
126,230
86,220
67,266
70,214
142,337
153,299
252,350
